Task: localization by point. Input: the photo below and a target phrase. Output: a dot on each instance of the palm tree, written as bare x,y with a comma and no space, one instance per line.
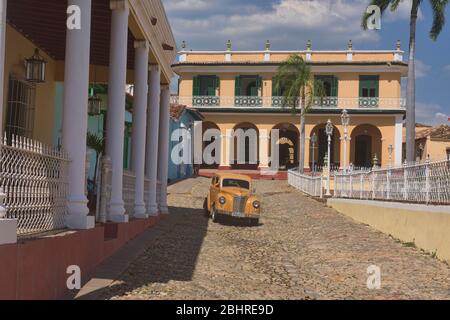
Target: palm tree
97,144
295,81
438,8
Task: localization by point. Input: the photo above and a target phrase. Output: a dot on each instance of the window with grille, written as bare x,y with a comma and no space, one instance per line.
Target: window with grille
20,108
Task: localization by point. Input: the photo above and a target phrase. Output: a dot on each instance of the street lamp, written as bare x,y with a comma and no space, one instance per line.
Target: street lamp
329,132
314,141
345,120
35,68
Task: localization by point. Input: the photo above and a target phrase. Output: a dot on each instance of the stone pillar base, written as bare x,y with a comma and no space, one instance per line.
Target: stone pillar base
140,216
80,222
164,210
225,168
8,231
153,210
118,218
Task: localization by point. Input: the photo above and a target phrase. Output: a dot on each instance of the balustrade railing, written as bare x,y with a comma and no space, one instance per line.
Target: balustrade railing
128,191
280,102
427,183
311,185
34,178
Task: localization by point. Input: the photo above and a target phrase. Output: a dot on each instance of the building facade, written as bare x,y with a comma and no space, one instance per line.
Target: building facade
235,89
432,143
78,44
182,122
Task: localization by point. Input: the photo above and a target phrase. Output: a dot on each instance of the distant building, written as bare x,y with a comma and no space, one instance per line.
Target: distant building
181,118
235,90
432,142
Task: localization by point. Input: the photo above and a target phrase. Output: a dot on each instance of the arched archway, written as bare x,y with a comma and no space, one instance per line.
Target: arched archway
207,125
319,150
245,146
366,140
288,143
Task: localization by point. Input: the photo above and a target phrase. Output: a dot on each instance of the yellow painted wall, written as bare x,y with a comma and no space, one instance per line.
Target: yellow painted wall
437,149
426,226
316,56
18,49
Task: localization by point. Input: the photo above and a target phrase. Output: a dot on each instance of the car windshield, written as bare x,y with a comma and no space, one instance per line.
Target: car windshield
236,183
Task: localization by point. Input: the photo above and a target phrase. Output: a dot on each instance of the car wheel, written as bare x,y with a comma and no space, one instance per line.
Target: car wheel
205,207
214,216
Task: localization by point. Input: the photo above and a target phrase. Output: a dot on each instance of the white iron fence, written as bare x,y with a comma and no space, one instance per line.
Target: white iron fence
427,183
312,185
34,178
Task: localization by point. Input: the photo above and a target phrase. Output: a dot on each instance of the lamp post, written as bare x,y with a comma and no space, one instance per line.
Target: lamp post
345,120
329,132
314,141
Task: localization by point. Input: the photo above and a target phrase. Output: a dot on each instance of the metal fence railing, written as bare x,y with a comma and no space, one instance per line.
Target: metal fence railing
427,183
34,179
311,185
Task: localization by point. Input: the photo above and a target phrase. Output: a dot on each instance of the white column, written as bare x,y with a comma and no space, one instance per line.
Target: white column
153,138
264,138
8,227
74,129
398,148
139,125
115,125
163,154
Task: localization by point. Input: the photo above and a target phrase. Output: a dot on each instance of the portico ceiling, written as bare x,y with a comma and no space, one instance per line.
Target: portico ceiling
44,23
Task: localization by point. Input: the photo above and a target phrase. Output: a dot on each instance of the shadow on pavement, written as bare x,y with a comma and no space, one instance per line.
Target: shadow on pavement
170,255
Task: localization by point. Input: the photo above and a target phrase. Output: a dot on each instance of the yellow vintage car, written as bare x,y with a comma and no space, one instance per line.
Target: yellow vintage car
232,195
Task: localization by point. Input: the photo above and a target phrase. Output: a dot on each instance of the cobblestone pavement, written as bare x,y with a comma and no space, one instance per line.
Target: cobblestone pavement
301,250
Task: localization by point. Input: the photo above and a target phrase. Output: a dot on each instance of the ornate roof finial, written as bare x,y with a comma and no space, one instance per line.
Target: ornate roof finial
267,45
183,45
399,45
308,45
350,45
229,45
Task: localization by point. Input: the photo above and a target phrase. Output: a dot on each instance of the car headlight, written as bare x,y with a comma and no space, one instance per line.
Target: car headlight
222,200
256,204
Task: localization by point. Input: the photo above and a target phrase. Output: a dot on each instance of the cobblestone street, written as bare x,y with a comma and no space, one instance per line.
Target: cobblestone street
301,250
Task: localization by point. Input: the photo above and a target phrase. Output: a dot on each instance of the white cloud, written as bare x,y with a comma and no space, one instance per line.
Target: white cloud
447,69
287,23
430,113
403,12
422,69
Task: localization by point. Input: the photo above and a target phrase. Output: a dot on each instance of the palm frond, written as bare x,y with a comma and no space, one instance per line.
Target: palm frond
95,142
438,7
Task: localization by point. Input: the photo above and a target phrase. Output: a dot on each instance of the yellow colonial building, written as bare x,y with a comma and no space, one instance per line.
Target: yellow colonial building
234,89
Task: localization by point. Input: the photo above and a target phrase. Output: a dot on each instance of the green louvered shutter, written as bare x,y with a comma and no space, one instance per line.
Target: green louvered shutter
276,92
335,87
237,86
217,85
258,85
196,86
369,86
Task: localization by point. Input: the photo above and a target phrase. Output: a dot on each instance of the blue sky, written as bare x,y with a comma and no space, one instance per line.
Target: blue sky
288,24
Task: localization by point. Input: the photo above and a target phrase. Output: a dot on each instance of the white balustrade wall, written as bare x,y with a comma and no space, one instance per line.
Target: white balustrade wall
312,185
427,183
34,179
